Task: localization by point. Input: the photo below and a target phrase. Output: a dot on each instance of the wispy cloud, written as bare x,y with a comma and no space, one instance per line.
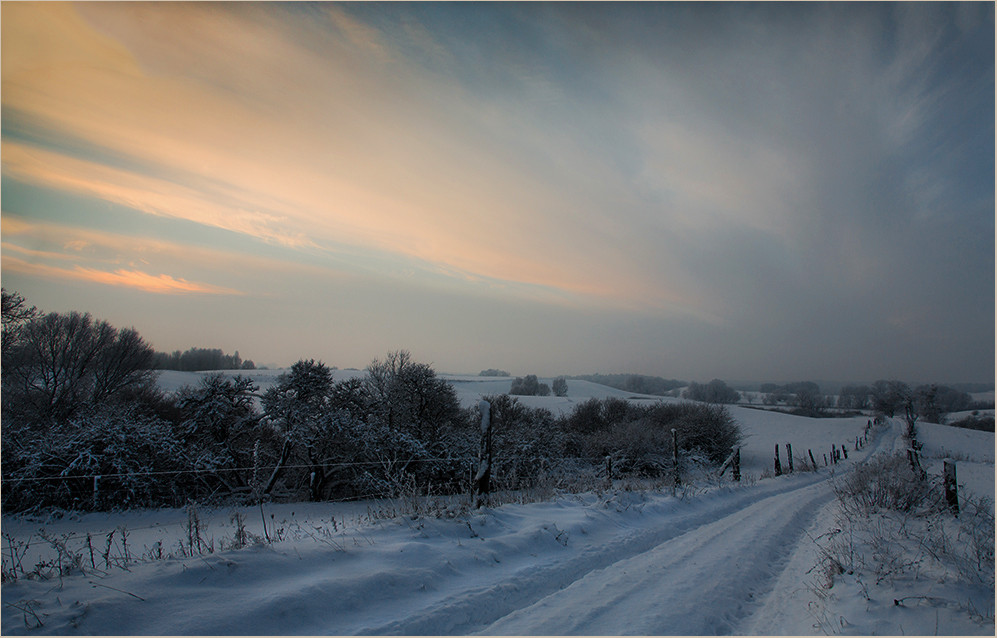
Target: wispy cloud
161,284
420,182
143,193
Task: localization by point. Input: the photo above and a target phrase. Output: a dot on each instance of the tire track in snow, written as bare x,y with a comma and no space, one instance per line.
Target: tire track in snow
702,582
706,570
476,609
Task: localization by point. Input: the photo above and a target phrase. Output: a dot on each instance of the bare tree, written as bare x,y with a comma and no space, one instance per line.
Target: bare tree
15,315
889,396
560,387
63,362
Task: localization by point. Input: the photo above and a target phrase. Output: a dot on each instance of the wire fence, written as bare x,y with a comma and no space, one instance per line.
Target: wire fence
264,468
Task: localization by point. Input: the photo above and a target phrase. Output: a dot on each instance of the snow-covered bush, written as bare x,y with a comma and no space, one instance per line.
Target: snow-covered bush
218,429
634,448
102,458
526,442
642,434
421,428
296,409
896,540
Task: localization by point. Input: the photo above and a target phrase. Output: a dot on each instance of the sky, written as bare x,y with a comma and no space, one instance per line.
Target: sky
772,192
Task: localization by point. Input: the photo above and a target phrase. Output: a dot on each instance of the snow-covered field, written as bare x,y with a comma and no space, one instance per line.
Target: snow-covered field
715,557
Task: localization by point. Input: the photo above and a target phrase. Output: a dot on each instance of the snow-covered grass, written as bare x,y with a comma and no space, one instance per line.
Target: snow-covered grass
715,557
895,559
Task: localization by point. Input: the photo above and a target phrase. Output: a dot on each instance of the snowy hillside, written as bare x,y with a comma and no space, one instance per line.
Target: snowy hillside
715,557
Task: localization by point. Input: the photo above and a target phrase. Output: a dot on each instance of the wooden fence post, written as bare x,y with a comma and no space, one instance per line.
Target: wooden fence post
834,453
951,487
844,450
778,465
915,463
737,464
813,463
789,456
675,459
481,479
825,459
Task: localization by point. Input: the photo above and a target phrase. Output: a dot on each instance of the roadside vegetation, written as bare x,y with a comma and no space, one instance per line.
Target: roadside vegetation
86,428
898,539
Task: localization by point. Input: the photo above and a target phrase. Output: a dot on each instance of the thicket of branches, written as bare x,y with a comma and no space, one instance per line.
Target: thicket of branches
85,427
716,391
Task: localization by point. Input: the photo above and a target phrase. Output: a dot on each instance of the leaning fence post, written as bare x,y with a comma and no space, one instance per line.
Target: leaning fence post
813,463
778,465
825,459
481,479
789,456
844,450
951,487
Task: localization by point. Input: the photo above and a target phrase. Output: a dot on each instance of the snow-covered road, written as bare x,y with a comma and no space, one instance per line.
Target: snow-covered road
715,554
699,572
701,582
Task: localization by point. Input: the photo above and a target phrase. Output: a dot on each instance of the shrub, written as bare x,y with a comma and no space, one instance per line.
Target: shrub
526,442
886,481
217,425
605,427
975,422
137,459
708,429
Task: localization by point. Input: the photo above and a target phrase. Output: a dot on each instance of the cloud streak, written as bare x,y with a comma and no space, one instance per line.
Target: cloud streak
160,284
400,183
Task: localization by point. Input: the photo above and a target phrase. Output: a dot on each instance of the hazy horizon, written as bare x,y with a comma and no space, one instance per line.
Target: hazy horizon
778,192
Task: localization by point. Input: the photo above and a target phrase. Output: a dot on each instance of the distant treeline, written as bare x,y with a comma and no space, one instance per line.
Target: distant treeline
793,388
789,388
198,359
972,387
637,383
